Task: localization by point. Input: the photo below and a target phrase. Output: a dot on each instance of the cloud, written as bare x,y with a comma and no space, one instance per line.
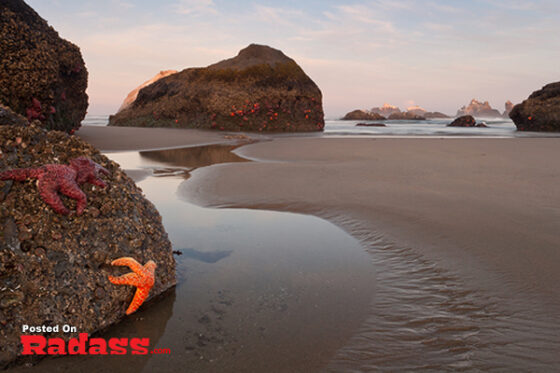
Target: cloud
195,7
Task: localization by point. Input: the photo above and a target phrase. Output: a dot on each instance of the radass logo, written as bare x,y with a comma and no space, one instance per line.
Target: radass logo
40,345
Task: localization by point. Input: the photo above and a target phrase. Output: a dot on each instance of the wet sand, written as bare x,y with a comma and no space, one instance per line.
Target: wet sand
110,139
489,202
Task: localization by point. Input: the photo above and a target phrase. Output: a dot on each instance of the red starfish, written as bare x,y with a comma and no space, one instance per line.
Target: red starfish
54,178
143,277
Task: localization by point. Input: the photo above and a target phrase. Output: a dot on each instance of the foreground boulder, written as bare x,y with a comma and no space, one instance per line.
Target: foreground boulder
42,76
362,115
259,90
54,268
466,121
539,112
479,109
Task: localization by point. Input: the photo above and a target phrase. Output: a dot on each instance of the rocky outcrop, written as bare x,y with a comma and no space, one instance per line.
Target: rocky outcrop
405,116
385,110
479,109
362,115
435,115
370,125
508,106
54,267
42,76
466,121
134,93
540,111
416,110
260,89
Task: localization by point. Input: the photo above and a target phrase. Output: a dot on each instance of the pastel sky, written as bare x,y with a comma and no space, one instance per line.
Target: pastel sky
437,54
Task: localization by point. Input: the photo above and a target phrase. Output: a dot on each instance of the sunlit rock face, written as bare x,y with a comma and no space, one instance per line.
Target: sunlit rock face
134,93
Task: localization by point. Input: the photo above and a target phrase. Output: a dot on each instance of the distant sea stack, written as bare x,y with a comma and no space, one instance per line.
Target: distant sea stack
362,115
539,112
385,110
479,109
508,106
261,89
42,76
435,115
406,115
134,93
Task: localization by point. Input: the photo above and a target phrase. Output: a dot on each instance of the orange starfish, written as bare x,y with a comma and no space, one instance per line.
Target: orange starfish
143,277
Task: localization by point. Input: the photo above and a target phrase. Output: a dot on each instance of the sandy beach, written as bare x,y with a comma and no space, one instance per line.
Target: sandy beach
479,214
493,203
110,139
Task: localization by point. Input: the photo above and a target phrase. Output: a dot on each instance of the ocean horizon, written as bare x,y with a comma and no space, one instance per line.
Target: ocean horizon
496,127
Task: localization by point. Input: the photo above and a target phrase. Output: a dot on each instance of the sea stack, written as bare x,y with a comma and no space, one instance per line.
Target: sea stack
362,115
261,89
42,76
539,112
479,109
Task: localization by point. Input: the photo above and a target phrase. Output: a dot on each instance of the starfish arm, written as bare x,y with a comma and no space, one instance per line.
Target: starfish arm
129,262
20,174
72,190
48,192
127,279
139,297
98,182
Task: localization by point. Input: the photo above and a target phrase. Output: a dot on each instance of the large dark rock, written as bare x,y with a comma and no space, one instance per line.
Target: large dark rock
53,268
259,90
362,115
479,109
41,75
466,121
539,112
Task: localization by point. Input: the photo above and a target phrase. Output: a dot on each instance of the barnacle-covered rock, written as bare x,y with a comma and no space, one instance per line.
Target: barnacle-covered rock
261,89
42,76
53,268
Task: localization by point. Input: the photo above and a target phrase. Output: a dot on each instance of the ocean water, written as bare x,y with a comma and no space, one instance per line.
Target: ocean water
497,127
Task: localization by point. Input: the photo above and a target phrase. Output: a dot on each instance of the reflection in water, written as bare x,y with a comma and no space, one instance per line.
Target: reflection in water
206,257
195,157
